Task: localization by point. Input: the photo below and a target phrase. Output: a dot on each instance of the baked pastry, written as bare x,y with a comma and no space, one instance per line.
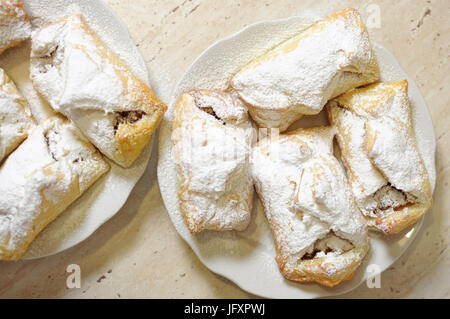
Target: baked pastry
84,80
301,74
212,137
387,174
15,116
38,181
15,25
319,233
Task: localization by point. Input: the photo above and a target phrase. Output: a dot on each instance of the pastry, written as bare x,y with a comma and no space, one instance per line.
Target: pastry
38,181
15,116
212,137
15,25
84,80
387,174
301,74
319,233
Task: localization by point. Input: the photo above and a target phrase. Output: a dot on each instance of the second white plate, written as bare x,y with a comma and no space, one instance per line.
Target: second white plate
105,198
248,258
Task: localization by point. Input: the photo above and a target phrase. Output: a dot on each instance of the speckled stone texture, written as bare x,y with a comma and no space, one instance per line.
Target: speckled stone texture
138,253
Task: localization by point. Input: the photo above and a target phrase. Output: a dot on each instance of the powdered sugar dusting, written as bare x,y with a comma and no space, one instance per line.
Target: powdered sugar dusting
100,18
69,71
42,169
305,194
212,139
15,25
15,116
302,74
391,173
58,52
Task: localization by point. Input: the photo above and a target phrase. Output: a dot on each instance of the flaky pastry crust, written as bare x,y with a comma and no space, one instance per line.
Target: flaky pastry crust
301,74
16,119
212,137
40,179
319,233
83,79
378,146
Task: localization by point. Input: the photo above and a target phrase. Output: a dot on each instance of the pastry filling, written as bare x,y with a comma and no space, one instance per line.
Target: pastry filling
127,117
50,61
55,145
210,111
330,245
204,103
50,144
386,200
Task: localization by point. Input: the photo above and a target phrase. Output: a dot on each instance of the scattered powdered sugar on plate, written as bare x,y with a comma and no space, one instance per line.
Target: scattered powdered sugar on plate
104,199
248,258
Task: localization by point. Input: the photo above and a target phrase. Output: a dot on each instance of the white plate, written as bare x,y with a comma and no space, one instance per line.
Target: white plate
106,196
248,258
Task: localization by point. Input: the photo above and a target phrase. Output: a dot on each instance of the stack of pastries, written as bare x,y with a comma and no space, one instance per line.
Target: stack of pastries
102,109
319,210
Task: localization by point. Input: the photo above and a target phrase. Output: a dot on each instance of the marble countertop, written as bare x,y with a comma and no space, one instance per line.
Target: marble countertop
138,253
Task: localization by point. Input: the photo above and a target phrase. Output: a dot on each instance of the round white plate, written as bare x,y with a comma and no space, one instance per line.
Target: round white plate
107,195
248,258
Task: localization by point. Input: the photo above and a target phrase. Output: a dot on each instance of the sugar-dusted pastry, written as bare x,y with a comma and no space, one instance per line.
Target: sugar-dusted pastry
38,181
301,74
15,25
212,137
319,233
84,80
387,174
15,116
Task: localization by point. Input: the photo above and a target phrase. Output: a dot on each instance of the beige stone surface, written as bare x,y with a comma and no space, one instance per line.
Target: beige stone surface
138,253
